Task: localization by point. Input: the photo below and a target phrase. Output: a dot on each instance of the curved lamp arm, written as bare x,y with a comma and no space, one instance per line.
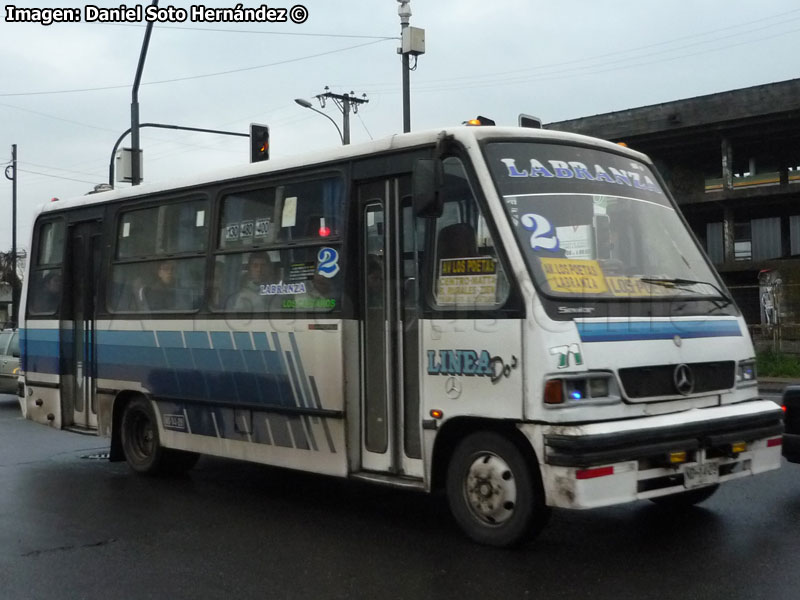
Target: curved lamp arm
306,104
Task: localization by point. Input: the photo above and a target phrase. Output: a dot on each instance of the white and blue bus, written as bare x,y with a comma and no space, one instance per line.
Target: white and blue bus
518,317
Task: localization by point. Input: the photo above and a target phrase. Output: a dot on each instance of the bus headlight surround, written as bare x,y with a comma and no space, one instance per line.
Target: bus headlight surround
588,388
746,373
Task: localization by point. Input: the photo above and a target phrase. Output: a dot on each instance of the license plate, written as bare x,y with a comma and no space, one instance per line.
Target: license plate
700,474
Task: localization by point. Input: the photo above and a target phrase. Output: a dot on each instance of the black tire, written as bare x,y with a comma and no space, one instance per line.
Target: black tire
687,498
495,494
142,446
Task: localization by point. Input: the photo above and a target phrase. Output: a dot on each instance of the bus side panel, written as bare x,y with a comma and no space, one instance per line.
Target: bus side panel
472,367
39,349
265,391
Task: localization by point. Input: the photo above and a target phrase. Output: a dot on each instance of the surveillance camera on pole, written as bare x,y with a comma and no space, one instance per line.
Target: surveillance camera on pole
412,43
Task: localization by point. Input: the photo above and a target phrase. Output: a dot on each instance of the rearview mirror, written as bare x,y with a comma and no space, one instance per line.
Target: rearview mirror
425,182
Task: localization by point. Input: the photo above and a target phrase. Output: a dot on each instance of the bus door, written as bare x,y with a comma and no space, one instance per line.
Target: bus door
390,422
78,358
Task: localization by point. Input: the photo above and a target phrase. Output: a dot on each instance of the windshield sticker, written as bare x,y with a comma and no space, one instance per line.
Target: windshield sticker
262,227
574,276
628,287
467,281
300,303
468,266
282,289
543,236
246,229
302,271
328,262
560,169
232,232
577,241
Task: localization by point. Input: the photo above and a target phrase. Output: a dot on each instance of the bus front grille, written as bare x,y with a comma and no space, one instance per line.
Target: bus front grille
659,380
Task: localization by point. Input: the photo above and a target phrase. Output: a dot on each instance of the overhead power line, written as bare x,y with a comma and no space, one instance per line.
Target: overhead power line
586,62
586,69
26,163
57,176
254,32
190,77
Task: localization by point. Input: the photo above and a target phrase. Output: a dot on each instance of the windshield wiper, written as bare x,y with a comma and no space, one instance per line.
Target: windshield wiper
679,282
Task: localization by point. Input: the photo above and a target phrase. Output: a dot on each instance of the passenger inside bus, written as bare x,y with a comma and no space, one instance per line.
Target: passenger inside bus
161,294
260,271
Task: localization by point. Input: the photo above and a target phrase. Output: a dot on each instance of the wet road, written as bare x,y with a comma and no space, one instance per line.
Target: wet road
74,527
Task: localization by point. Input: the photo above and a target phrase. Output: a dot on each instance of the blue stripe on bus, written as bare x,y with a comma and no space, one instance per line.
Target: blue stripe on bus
657,330
184,365
197,339
242,340
170,339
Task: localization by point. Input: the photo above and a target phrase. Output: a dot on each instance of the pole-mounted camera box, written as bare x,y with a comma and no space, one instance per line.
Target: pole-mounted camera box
123,168
413,41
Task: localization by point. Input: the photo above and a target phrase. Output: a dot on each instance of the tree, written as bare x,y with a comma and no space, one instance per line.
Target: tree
11,277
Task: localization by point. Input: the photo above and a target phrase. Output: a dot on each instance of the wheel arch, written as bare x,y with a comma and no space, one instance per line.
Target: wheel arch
456,429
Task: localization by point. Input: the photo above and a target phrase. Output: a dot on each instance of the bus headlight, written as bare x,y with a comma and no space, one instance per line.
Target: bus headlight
746,373
591,388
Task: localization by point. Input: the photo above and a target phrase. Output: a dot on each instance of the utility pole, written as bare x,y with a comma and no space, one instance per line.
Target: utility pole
135,154
345,103
14,281
412,44
14,291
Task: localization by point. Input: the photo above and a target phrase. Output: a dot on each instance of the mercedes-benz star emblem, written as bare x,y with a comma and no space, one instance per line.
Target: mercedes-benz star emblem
452,388
683,379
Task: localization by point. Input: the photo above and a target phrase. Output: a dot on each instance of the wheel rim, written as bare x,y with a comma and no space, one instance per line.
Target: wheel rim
490,489
142,436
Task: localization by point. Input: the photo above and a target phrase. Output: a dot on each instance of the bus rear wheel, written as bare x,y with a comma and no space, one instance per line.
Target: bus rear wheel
142,446
494,494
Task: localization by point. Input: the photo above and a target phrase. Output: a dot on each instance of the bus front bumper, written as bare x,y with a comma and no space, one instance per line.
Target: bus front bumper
602,464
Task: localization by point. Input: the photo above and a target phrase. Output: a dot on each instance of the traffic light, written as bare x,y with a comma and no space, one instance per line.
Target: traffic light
259,142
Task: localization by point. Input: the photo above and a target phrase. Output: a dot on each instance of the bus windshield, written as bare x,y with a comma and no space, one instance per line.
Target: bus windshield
596,224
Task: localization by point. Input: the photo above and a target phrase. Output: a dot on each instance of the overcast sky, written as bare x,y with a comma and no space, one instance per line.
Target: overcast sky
556,60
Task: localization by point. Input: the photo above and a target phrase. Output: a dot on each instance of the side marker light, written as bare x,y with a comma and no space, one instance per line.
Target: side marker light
554,392
676,458
593,473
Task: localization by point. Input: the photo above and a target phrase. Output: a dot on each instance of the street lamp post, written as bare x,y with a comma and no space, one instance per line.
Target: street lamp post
136,167
306,104
346,103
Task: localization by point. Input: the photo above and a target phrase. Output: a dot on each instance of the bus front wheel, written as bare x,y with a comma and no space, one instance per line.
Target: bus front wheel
494,494
142,446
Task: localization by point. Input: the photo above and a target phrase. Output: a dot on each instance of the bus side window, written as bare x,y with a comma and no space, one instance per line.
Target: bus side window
156,264
466,270
279,249
44,287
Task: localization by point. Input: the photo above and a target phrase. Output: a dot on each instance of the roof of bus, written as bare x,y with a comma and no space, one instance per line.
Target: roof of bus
465,135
